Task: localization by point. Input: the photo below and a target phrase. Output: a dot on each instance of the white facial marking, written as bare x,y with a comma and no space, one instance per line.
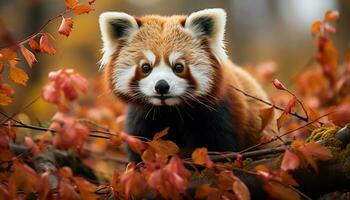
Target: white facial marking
121,76
203,73
177,85
174,56
150,57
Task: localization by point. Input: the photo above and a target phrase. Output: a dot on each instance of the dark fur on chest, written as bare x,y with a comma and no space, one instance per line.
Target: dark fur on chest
189,127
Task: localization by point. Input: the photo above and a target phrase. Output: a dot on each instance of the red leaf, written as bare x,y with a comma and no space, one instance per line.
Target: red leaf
44,186
278,84
290,105
66,26
67,191
135,144
290,161
341,116
241,190
31,145
34,45
45,46
51,94
28,55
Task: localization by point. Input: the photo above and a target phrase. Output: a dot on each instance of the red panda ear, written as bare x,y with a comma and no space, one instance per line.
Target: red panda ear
115,26
209,24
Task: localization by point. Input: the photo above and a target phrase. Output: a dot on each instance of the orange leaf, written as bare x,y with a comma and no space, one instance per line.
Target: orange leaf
66,26
5,99
279,191
67,191
315,28
278,84
86,189
203,191
8,54
71,3
17,75
45,45
341,116
281,120
1,62
331,15
226,180
44,186
28,55
241,190
290,161
34,45
82,8
160,134
199,155
266,115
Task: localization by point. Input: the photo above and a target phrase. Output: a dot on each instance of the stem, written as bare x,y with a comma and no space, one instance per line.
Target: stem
40,30
270,104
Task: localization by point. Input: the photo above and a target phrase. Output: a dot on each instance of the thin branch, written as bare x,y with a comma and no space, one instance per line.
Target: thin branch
270,104
284,134
40,30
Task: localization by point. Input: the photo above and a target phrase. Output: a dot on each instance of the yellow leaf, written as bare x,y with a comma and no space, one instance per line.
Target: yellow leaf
199,155
160,134
17,75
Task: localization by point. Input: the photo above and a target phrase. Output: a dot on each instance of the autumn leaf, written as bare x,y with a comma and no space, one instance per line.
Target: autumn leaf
71,3
28,55
32,145
34,45
290,161
23,177
332,15
8,54
241,190
5,99
17,75
44,186
266,115
66,26
315,28
86,189
135,144
45,46
200,157
67,191
278,84
82,9
341,116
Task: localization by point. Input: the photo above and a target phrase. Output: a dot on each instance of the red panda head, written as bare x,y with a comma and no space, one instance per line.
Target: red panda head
163,60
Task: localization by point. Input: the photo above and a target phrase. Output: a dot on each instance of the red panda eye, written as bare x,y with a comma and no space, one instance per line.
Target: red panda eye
146,68
178,68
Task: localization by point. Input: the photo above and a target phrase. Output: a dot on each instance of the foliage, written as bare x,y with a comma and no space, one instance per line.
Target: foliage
162,173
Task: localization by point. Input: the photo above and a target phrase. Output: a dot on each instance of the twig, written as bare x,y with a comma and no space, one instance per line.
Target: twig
40,30
284,134
270,104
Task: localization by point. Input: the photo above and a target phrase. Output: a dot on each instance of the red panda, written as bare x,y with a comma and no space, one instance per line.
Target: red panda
173,72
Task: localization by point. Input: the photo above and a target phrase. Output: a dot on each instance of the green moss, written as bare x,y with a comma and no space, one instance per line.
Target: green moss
326,134
343,158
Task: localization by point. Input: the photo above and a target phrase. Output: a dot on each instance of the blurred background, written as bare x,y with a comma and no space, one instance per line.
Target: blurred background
258,31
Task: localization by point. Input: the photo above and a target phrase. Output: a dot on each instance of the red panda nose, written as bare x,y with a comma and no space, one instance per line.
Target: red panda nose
162,87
